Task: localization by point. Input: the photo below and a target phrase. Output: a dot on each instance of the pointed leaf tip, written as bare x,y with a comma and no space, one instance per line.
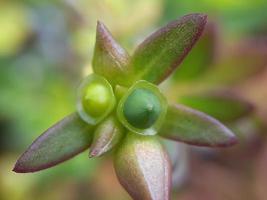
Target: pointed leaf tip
194,127
143,168
159,55
62,141
107,135
110,59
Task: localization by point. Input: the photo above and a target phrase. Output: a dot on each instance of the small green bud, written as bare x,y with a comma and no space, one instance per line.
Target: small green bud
142,108
95,99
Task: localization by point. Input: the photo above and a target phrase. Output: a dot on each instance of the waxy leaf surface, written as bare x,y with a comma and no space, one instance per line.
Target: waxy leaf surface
106,136
62,141
194,127
221,106
156,58
143,167
110,59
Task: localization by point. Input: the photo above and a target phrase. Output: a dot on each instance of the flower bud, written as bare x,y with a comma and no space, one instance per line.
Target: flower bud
95,99
142,109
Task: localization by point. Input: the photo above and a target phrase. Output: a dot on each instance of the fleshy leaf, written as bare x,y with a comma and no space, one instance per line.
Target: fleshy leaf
222,106
62,141
106,136
194,127
110,59
200,57
156,58
143,167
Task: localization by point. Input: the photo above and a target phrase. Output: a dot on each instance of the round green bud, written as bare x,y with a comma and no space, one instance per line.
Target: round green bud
96,99
142,108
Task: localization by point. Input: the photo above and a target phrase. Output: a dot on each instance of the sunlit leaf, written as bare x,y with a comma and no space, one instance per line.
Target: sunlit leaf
156,58
143,167
194,127
106,136
222,106
62,141
110,59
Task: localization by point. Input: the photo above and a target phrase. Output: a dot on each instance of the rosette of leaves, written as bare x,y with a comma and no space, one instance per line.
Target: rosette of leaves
121,108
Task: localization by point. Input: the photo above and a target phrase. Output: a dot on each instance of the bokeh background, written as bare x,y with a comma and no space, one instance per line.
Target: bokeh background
46,49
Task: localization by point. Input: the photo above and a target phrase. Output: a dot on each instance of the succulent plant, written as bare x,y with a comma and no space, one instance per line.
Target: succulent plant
121,108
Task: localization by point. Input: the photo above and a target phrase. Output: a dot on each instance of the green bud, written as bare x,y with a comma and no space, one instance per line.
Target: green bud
142,108
95,99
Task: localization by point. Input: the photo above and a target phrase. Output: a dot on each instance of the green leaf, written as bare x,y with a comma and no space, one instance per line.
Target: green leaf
194,127
107,135
62,141
222,106
143,167
110,59
200,58
156,58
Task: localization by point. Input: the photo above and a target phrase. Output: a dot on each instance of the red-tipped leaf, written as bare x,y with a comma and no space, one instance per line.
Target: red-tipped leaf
159,55
194,127
62,141
107,135
110,59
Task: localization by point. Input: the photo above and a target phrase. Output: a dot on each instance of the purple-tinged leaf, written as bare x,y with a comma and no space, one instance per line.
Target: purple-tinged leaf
143,167
201,57
110,59
107,135
156,58
194,127
225,107
62,141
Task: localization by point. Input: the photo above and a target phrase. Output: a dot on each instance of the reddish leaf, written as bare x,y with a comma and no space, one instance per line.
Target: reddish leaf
194,127
62,141
156,58
143,168
110,59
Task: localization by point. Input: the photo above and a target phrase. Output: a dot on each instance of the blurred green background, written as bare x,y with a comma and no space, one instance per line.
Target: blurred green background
46,48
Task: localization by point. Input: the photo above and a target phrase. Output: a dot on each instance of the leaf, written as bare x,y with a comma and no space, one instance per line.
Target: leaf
143,167
156,58
62,141
194,127
200,58
222,106
110,59
106,136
